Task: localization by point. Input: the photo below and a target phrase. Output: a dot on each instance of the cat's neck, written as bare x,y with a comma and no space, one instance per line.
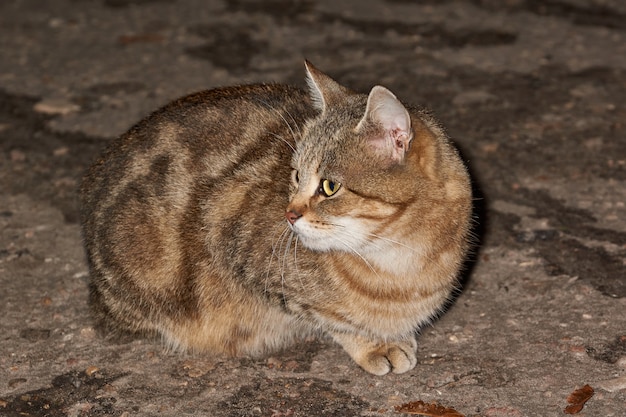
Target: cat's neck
394,259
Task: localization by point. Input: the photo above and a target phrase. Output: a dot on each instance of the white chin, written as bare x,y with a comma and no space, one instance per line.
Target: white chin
314,239
315,243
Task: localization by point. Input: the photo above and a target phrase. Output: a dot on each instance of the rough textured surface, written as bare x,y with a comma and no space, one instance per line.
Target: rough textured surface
534,94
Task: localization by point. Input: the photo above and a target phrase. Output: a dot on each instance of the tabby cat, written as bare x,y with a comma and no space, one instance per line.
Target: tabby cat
240,220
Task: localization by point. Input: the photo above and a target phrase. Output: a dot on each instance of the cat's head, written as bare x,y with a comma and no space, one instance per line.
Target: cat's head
354,169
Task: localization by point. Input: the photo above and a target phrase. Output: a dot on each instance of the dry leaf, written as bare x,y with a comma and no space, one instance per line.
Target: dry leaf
432,409
577,399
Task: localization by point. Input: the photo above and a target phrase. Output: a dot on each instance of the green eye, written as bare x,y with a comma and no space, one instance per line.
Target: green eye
328,187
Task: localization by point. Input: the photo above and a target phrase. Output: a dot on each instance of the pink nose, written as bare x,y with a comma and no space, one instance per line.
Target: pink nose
292,216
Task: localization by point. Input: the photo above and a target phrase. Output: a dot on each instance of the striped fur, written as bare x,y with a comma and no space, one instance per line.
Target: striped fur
186,236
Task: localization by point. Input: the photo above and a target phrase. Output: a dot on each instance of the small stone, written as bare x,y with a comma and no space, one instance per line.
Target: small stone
613,385
91,370
63,150
56,106
81,274
88,333
16,381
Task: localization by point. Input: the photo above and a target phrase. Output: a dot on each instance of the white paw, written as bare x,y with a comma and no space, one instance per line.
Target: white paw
395,357
380,358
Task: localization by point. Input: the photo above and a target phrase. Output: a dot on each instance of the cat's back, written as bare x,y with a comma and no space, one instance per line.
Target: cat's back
202,133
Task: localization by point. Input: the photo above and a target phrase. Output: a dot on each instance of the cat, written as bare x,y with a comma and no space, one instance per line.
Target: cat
240,220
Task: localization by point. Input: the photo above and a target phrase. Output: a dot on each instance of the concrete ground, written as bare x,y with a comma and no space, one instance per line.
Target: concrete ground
534,94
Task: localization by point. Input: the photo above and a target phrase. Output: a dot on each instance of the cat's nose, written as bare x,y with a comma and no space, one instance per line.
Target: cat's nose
292,216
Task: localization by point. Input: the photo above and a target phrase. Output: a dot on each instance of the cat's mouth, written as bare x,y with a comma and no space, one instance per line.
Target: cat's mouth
312,237
325,237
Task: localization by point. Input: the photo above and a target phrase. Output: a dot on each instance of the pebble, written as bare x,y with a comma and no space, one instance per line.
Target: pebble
16,381
91,370
56,106
613,385
63,150
88,333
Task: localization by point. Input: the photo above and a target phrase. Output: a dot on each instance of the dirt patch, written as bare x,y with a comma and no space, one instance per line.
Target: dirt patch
291,397
72,393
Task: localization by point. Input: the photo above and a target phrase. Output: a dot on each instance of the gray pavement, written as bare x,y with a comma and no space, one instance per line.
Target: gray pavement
534,94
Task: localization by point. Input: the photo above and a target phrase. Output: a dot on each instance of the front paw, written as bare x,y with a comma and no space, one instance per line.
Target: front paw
380,358
395,357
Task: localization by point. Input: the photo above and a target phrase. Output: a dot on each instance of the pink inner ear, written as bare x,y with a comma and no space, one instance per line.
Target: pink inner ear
399,141
385,110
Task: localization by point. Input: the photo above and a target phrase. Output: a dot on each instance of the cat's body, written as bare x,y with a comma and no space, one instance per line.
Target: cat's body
198,228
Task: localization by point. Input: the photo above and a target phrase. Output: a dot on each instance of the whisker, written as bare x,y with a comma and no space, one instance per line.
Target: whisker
346,232
377,236
423,254
284,262
395,242
278,244
295,123
358,254
280,114
284,140
295,261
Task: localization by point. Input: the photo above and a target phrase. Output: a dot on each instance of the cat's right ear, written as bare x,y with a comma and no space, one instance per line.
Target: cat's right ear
323,90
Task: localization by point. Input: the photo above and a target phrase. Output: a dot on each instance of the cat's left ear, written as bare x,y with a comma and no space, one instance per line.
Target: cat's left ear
386,112
324,91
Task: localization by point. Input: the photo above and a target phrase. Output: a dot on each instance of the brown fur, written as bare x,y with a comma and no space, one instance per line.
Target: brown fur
186,236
